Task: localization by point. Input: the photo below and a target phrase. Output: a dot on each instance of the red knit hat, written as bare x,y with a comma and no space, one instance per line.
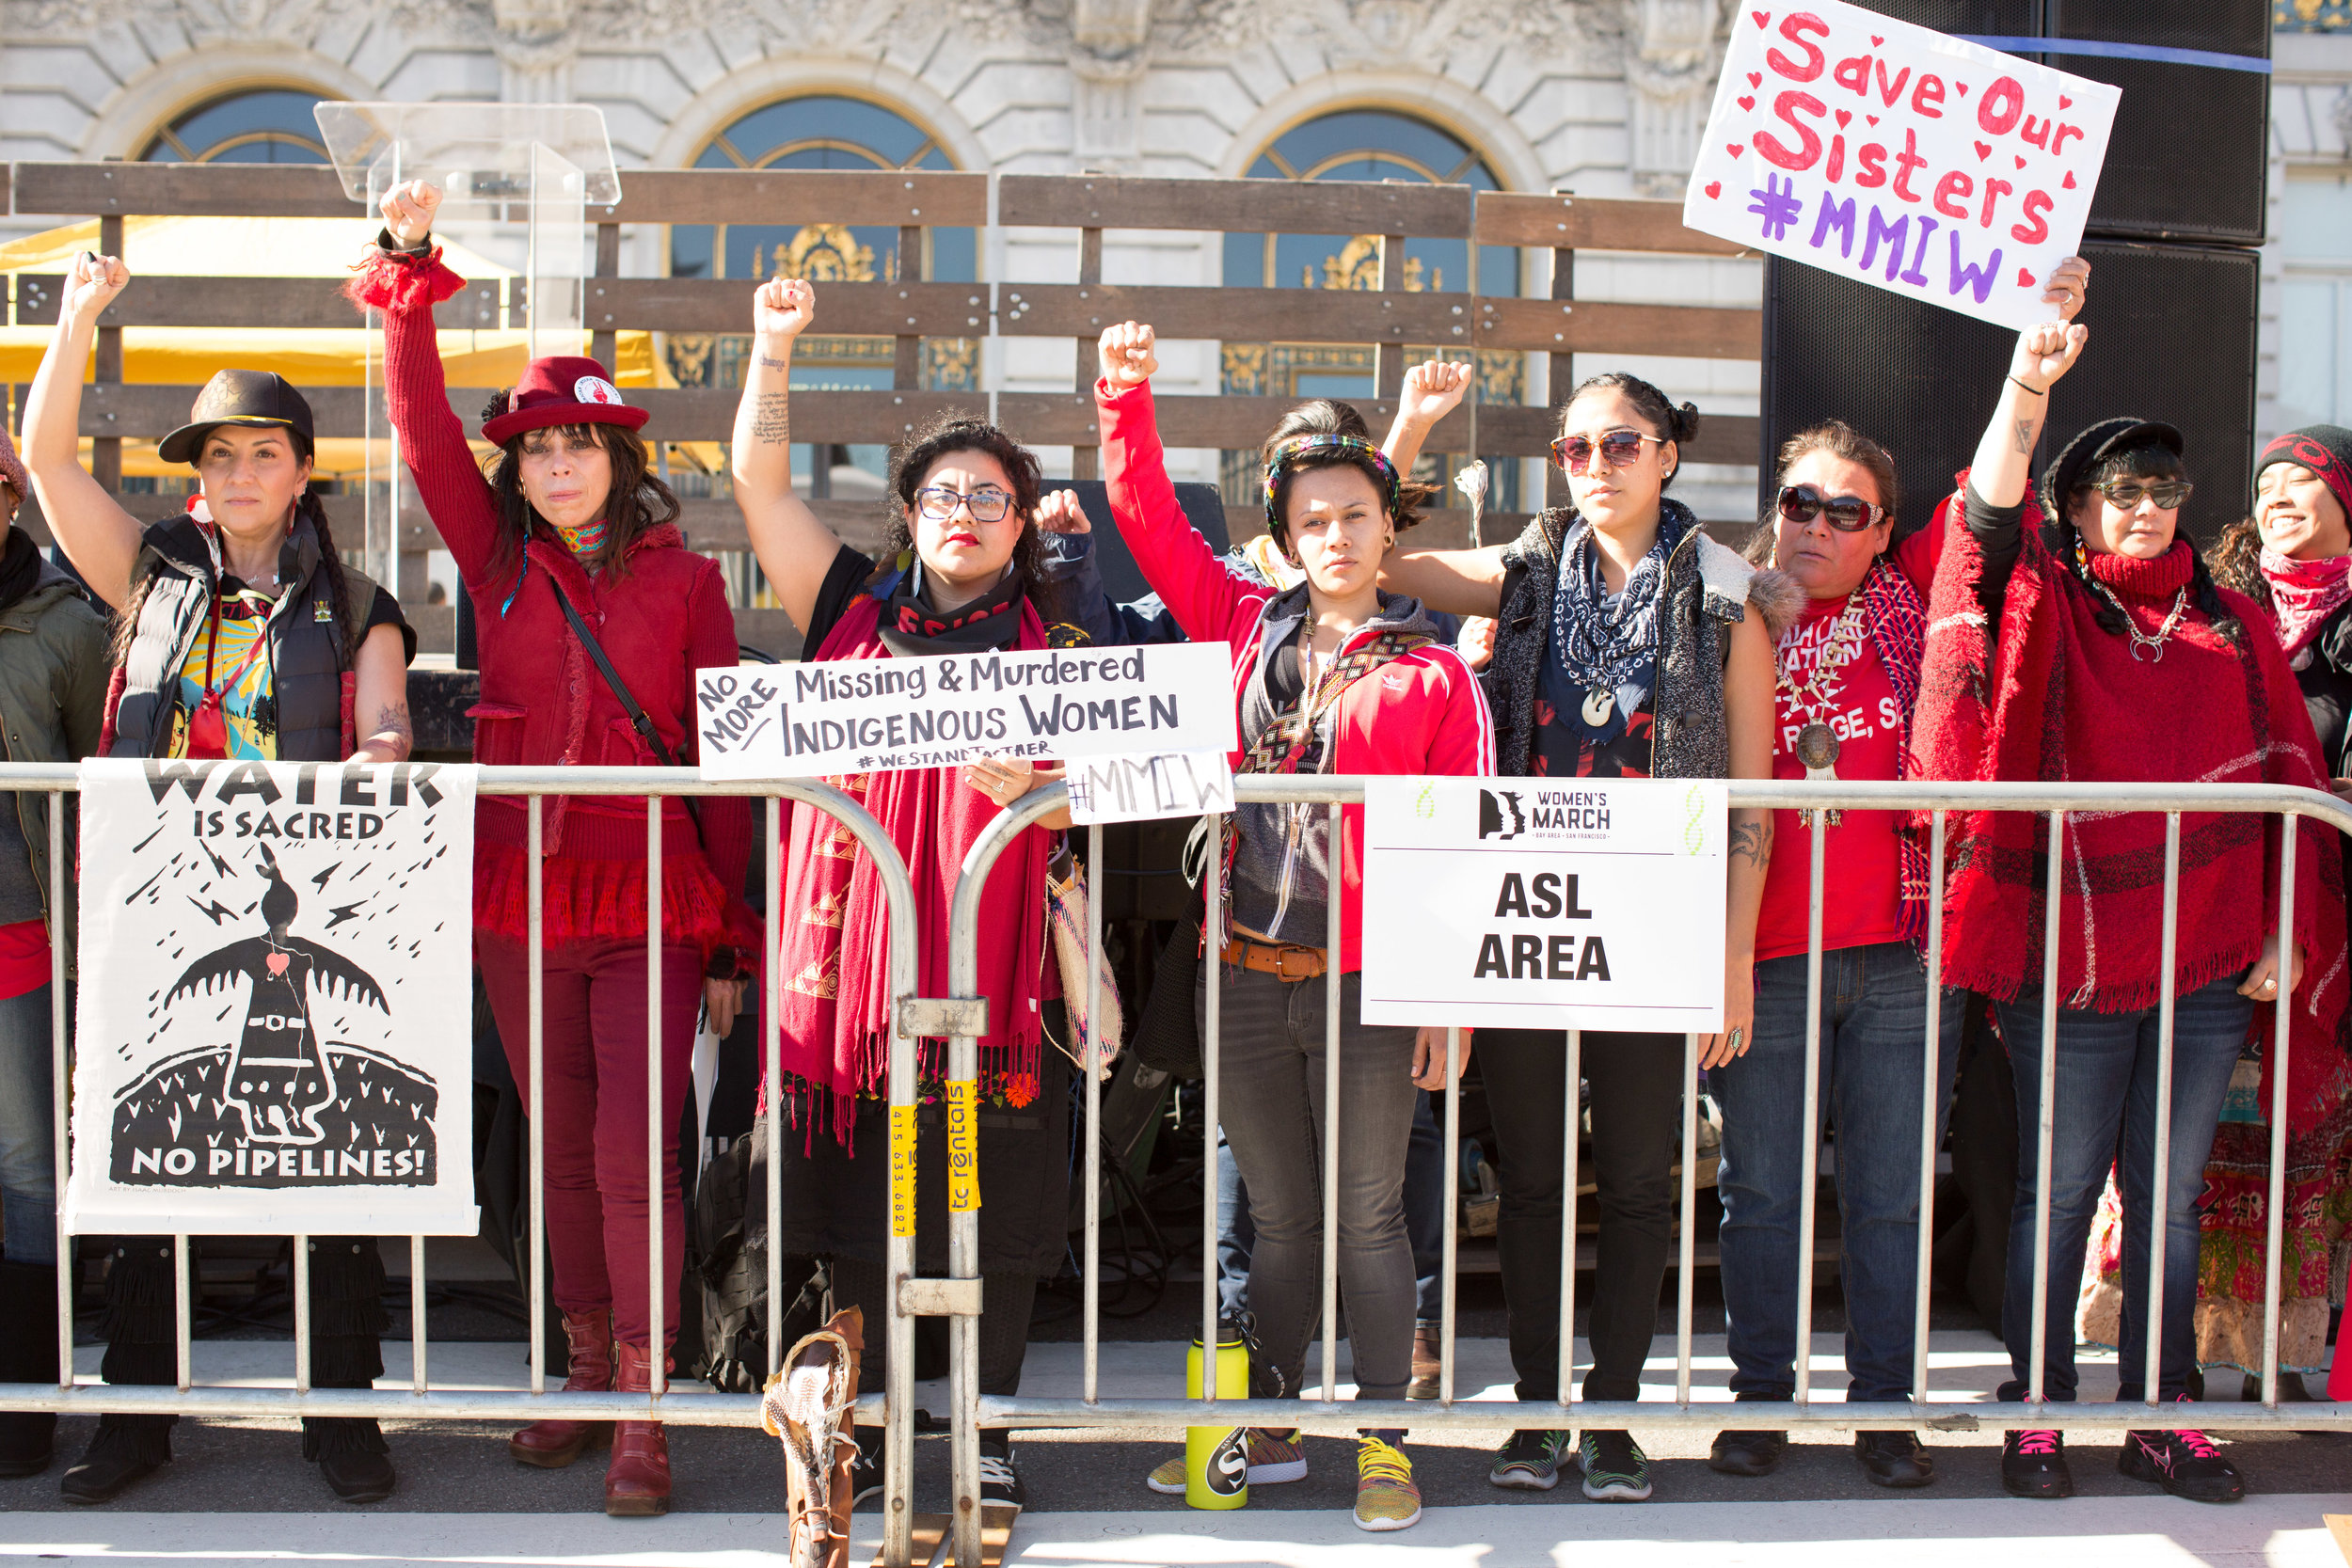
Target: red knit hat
562,389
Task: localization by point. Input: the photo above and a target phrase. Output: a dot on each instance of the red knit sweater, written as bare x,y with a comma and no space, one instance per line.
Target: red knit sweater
659,619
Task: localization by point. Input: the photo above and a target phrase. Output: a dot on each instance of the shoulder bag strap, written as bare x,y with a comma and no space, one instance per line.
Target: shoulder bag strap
629,704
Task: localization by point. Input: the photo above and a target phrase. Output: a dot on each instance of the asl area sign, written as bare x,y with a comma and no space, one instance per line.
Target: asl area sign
1901,157
1527,904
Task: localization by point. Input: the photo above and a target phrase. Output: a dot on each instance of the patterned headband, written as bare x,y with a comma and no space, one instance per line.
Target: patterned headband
1287,455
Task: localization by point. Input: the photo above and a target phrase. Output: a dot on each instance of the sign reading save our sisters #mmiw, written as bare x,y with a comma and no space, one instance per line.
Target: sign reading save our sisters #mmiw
275,1025
1899,157
1580,904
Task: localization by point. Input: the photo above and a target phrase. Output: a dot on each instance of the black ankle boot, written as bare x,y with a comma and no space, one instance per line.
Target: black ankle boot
347,1319
29,1354
141,1350
128,1449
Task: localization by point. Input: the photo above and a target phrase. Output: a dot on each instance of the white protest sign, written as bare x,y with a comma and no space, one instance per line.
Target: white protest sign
860,715
1527,904
1901,157
276,1017
1142,788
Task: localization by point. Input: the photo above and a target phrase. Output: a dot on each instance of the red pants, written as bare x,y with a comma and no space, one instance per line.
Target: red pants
594,1065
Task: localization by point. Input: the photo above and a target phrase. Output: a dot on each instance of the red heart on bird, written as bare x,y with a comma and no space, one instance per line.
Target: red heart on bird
1845,117
277,963
1983,150
2066,102
1747,102
1714,189
2025,278
1755,78
1872,119
1735,148
2021,163
1763,19
2070,180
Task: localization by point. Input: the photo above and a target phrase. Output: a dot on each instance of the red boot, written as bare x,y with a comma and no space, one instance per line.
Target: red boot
552,1445
637,1485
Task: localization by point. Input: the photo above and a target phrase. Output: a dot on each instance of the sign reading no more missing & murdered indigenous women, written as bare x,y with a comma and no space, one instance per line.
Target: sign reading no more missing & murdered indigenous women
1542,904
863,715
1899,157
276,1017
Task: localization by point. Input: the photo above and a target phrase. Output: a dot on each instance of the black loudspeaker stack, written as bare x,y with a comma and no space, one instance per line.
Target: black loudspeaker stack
2173,270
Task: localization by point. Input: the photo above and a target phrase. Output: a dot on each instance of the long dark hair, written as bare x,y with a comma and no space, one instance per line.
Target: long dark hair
2152,460
638,500
1668,422
126,624
1325,417
945,435
2235,560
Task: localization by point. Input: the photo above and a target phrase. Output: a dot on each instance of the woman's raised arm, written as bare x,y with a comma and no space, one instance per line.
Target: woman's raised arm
795,550
98,535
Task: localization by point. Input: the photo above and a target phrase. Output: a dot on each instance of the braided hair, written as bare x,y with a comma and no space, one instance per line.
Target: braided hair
2149,460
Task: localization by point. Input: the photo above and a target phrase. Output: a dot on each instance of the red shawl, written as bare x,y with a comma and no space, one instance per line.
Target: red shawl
835,942
2053,696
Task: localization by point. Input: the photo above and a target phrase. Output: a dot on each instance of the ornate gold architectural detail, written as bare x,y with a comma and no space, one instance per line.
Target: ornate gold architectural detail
821,253
1356,266
690,357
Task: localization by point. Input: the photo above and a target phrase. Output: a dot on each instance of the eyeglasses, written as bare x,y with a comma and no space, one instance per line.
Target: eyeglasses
2125,494
1617,448
988,503
1801,504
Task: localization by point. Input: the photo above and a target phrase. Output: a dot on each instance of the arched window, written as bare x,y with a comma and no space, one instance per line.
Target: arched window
1370,145
261,125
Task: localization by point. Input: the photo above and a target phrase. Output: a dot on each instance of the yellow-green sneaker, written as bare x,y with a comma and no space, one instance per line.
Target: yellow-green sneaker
1275,1457
1385,1498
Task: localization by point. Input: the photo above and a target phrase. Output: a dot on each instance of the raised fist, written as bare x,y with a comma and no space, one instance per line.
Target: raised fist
93,283
783,307
408,208
1126,355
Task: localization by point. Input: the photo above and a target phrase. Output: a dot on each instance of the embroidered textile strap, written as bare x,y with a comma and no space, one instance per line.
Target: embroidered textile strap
1899,630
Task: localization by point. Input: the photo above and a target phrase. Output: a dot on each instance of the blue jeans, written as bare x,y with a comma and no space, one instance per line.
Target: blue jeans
2106,1107
1874,1009
28,1172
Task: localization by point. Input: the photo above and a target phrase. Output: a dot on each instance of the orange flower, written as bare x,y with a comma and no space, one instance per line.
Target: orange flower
1020,1089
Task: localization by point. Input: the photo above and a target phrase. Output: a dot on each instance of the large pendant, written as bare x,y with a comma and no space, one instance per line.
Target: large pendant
1599,703
1817,748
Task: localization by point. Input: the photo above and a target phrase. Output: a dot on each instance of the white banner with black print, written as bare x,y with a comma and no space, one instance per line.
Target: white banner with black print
274,1030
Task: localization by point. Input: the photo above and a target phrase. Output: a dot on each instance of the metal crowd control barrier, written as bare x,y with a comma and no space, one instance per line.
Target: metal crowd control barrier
422,1401
1321,1411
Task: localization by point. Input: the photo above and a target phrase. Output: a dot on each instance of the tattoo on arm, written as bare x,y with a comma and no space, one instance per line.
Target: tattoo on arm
775,364
771,419
392,720
1753,843
2025,436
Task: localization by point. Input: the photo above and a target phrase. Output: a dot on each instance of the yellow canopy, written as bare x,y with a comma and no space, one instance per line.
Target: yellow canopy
307,356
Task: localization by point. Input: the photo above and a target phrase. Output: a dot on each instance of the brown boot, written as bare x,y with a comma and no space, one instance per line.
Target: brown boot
552,1445
637,1485
1427,1364
810,1404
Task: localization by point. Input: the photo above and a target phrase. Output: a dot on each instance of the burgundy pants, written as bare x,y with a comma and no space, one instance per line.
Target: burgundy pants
594,1064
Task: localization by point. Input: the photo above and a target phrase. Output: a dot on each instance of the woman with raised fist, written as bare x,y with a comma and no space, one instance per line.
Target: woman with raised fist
593,617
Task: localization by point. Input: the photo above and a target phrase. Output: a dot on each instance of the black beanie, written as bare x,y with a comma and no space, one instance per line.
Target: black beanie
2326,449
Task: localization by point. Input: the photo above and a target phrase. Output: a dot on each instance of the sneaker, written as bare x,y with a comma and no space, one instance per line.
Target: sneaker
2184,1462
1385,1498
1000,1483
1275,1457
1528,1461
1747,1453
866,1470
2033,1465
1615,1469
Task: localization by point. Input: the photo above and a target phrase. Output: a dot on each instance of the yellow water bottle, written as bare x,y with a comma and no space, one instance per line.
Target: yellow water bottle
1216,1459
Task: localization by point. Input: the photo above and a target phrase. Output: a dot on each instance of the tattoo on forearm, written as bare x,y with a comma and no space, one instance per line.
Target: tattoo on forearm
771,419
1753,841
775,364
392,727
2025,436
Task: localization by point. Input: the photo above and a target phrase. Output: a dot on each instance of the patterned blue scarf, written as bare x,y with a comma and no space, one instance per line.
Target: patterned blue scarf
1614,646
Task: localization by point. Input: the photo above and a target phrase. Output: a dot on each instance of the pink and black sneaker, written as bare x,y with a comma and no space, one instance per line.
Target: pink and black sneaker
2033,1465
2184,1462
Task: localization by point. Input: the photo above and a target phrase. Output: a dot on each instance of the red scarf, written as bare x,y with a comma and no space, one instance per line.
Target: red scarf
2055,696
2303,593
835,963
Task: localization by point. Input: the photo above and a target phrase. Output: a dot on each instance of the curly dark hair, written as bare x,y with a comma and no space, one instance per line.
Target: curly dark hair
2148,460
1666,421
1325,417
638,500
2235,560
948,433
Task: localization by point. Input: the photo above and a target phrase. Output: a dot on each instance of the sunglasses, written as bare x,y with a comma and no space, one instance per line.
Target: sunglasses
1617,448
2125,494
989,504
1801,504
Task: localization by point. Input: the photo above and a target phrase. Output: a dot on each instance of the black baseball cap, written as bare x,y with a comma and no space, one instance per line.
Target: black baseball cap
240,398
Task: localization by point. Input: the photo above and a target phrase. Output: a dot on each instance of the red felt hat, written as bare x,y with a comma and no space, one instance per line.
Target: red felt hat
562,389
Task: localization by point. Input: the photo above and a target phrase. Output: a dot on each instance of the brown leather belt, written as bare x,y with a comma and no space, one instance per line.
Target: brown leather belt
1284,962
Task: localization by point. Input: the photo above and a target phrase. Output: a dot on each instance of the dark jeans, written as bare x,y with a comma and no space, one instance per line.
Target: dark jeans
1874,1009
28,1151
2106,1106
1425,1220
1272,1106
1636,1083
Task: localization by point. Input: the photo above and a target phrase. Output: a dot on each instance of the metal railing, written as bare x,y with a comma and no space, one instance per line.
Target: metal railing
421,1401
1323,1413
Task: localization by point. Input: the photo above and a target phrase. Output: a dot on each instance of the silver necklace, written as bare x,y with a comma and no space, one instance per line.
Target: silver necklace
2154,647
1817,742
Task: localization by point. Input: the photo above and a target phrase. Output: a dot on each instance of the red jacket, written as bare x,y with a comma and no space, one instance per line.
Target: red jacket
1423,713
543,699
